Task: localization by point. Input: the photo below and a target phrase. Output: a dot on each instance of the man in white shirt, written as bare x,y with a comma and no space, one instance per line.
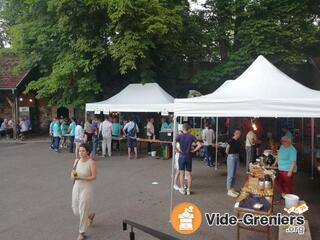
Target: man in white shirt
3,128
130,130
251,141
208,137
150,132
106,131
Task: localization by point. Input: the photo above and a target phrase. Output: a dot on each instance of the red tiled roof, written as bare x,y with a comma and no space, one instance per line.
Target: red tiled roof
8,77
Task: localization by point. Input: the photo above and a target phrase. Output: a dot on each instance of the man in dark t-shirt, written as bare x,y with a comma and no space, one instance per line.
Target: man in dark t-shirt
186,140
233,152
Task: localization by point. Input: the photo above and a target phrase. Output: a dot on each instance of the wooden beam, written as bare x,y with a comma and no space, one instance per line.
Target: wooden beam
10,102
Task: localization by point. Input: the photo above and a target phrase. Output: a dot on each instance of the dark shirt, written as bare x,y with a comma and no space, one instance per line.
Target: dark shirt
185,141
235,146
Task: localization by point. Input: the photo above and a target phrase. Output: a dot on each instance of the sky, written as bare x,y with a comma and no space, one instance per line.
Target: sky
196,6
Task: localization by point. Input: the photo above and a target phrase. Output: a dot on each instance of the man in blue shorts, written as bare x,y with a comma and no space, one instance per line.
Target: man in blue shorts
130,130
186,141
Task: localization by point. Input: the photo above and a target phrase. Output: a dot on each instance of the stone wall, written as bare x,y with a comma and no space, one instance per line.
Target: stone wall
5,111
45,114
42,114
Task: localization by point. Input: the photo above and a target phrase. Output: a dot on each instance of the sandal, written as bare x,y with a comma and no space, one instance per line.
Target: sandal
81,236
91,217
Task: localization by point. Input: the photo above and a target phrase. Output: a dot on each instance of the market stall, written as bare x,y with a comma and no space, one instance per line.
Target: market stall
149,97
260,91
144,98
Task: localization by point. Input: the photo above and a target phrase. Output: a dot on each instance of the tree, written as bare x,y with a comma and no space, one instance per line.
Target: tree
3,29
284,31
65,40
141,29
69,40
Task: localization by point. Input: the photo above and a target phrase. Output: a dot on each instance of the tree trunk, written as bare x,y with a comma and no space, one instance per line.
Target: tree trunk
223,47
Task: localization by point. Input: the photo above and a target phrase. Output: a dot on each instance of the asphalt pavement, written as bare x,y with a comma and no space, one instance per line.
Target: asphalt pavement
35,196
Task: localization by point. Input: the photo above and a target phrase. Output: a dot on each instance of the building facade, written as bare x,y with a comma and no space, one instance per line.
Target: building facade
15,104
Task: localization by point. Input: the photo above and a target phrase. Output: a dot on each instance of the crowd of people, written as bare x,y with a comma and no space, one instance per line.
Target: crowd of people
86,136
7,126
286,159
186,144
103,133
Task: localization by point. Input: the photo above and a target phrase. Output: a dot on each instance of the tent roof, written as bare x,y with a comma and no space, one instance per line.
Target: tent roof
149,97
260,91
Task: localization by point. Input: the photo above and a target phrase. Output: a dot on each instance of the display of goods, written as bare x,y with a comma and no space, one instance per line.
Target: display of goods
257,172
258,191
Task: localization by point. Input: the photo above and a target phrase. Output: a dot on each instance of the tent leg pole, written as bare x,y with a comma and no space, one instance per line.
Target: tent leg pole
302,139
85,116
217,135
312,148
172,164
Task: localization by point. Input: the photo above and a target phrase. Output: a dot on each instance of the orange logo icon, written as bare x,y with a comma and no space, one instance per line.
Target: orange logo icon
186,218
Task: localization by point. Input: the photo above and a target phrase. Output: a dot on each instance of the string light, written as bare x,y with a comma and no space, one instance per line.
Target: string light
253,124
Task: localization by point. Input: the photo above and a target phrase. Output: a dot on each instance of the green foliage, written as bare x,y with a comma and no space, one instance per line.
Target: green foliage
283,31
65,41
138,27
153,40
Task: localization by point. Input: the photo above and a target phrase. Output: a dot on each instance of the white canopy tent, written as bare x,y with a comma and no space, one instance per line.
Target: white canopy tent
226,83
260,91
149,97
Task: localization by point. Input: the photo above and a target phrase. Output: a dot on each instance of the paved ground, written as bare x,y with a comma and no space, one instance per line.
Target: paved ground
36,196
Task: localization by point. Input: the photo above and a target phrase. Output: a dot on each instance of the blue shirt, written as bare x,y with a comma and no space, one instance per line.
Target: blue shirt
72,128
164,126
56,130
286,156
51,126
116,127
185,141
64,129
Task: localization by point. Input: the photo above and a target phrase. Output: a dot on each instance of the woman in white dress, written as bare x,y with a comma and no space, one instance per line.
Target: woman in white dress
84,172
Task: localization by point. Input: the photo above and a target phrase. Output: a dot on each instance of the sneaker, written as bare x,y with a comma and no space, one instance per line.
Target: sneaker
188,191
176,187
181,190
232,194
234,191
